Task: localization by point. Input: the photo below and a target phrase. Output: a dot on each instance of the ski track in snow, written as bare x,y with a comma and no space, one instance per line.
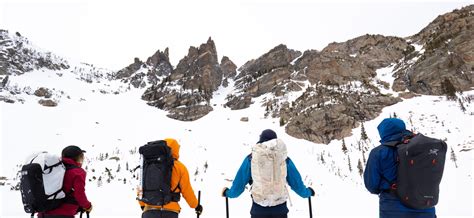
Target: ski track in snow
116,125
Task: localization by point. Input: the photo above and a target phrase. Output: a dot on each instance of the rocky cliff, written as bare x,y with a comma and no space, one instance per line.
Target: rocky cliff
18,55
444,52
187,91
140,74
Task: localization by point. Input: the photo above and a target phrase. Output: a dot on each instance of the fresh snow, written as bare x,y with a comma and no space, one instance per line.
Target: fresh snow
419,48
116,125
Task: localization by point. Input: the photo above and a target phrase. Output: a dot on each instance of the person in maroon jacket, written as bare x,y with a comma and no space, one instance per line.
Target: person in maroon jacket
73,185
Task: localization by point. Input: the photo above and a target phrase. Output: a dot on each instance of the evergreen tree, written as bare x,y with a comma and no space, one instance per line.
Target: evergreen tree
363,157
395,115
461,105
360,167
448,89
453,158
118,168
349,162
282,121
363,134
322,159
344,148
99,181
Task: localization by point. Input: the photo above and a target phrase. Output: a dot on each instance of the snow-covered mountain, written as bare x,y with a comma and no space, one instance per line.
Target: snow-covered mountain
316,101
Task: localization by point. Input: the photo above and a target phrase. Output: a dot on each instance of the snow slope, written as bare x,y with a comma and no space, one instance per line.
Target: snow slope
111,127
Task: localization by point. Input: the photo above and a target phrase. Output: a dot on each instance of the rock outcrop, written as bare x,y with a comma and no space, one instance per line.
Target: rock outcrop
47,103
337,85
445,52
187,91
43,92
141,74
229,70
18,56
269,73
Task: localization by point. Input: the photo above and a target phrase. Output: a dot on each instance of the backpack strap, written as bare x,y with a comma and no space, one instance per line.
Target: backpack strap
50,168
392,144
69,196
250,159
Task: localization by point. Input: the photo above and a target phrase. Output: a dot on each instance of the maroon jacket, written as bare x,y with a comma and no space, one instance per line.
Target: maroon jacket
74,178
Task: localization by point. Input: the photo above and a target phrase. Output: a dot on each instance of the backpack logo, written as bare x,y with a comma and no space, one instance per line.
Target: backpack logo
433,152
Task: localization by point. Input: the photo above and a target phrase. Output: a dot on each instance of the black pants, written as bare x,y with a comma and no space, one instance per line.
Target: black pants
270,216
159,214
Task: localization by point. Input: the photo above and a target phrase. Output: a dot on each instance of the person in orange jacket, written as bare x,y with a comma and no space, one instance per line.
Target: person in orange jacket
179,178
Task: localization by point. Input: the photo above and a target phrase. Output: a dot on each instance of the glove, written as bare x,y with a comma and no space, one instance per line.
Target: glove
88,210
224,192
311,190
198,209
142,207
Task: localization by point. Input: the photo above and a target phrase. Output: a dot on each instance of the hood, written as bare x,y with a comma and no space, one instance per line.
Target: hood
173,144
67,160
392,129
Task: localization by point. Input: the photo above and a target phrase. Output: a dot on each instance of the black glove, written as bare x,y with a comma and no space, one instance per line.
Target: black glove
311,190
224,192
142,207
198,209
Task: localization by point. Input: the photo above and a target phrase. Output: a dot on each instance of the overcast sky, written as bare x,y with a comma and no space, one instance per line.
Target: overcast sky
110,33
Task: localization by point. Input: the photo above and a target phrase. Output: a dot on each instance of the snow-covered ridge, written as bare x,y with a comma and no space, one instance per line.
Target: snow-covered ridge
18,55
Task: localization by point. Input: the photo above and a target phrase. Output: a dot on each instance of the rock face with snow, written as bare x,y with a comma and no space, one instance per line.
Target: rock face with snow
229,70
446,54
141,74
187,91
268,73
18,56
374,51
336,85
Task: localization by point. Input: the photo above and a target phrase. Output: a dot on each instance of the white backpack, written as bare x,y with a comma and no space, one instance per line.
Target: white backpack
42,182
268,168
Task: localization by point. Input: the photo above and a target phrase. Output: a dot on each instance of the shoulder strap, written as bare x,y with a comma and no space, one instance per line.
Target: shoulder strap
392,144
250,159
70,166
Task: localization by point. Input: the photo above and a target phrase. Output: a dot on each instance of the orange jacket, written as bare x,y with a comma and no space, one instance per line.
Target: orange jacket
179,174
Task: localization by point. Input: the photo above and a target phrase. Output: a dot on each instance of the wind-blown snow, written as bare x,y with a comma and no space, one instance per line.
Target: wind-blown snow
116,124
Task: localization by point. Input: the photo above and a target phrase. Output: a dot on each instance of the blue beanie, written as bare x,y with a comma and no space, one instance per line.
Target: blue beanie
267,135
391,129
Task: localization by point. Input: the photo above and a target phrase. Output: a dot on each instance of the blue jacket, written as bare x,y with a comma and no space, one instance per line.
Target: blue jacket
381,171
243,178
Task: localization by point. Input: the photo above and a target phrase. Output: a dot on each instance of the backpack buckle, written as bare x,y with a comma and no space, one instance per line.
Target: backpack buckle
393,186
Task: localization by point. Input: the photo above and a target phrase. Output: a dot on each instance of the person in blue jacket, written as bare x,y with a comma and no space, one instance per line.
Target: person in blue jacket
381,172
244,175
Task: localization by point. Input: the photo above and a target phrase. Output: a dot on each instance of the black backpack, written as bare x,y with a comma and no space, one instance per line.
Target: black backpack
420,169
32,187
156,169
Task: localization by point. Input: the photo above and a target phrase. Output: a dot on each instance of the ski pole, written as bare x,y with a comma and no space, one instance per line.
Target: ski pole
226,207
82,212
199,201
310,208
